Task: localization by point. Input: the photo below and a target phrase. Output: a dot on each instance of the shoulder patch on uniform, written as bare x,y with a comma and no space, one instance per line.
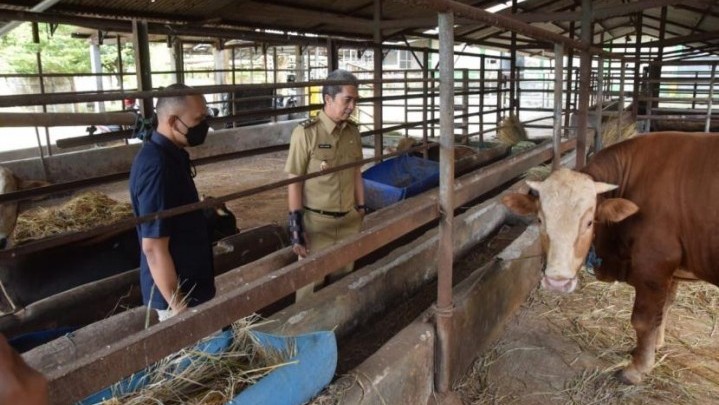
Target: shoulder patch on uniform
309,122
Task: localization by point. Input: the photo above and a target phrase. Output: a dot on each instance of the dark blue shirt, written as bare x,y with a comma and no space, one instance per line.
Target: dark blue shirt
161,179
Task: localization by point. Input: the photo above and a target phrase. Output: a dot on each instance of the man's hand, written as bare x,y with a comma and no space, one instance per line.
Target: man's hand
302,250
298,236
362,210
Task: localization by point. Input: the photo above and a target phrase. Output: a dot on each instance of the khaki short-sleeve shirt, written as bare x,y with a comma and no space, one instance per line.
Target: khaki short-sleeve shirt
319,144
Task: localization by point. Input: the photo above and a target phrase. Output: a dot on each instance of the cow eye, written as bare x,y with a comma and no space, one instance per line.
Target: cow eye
589,223
540,220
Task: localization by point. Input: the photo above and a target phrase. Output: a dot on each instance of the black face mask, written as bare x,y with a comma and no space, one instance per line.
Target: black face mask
196,135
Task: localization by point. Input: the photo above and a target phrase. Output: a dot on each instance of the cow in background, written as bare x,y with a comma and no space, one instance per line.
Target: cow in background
221,222
648,207
9,210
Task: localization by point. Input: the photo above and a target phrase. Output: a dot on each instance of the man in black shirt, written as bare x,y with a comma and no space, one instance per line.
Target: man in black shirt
176,268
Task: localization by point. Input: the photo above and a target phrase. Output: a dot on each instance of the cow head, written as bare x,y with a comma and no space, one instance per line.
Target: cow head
567,209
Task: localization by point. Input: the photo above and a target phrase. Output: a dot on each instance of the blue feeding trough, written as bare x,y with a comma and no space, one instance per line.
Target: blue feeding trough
399,178
297,382
312,369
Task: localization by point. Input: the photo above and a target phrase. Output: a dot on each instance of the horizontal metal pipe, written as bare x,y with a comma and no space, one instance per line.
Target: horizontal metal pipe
86,97
674,117
11,119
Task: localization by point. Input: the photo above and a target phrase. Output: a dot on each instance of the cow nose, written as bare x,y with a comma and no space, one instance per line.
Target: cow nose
559,284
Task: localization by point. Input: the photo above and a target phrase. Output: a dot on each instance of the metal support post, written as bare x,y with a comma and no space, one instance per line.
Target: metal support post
465,106
600,105
178,57
377,113
558,81
443,315
425,100
708,125
585,73
482,72
142,63
620,107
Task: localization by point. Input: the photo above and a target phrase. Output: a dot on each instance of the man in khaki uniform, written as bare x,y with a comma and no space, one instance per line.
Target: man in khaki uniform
326,209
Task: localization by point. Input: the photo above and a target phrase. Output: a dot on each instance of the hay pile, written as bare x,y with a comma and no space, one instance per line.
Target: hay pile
597,319
85,211
522,146
511,131
404,144
611,133
538,173
210,379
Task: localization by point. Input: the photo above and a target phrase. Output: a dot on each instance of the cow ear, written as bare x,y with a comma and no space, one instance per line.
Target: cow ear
615,210
603,187
521,204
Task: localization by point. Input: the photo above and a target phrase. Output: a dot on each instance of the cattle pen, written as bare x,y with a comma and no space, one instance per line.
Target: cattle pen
445,286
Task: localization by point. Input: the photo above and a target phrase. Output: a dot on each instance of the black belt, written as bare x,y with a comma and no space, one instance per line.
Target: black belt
328,213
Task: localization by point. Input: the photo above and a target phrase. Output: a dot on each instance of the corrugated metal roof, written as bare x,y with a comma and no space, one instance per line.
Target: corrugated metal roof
690,22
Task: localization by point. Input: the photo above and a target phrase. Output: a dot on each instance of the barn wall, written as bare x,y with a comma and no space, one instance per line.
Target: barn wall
111,160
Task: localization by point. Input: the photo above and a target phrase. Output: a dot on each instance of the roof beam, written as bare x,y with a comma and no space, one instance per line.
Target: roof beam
42,6
704,36
601,13
316,13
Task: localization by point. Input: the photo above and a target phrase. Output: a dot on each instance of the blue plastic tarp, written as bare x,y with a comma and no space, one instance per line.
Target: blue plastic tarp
295,383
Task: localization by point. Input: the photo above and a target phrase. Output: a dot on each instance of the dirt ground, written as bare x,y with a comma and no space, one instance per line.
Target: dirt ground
565,349
230,176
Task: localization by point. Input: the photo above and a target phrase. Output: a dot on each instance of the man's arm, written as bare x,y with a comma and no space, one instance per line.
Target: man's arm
295,204
162,268
359,190
294,194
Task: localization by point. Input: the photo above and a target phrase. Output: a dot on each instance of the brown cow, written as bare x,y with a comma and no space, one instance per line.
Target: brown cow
649,206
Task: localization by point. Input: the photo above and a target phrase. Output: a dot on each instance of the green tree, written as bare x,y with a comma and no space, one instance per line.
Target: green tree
60,51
